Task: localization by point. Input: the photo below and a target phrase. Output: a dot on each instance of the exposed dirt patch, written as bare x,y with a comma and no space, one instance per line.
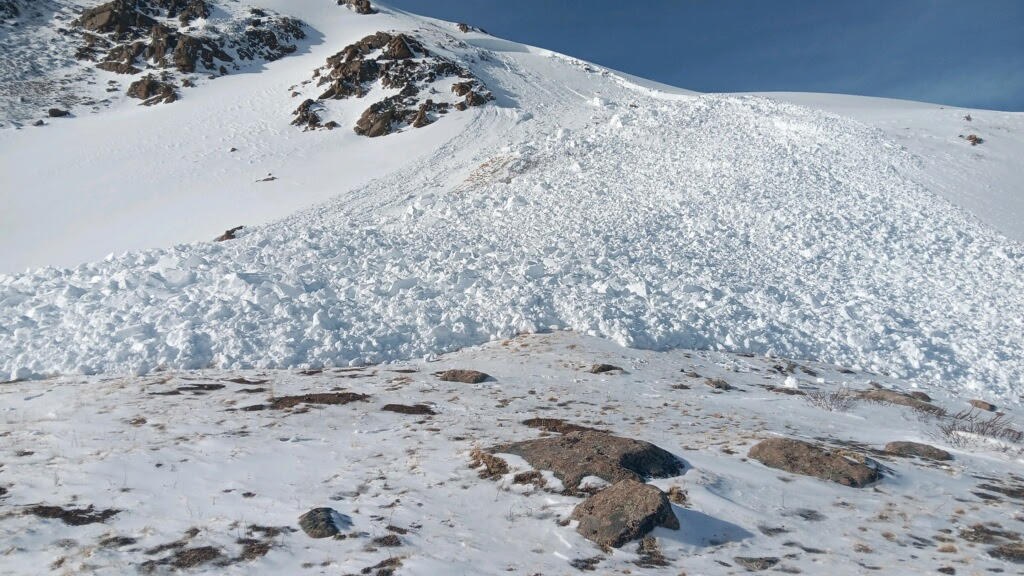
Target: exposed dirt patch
73,516
558,425
417,409
326,398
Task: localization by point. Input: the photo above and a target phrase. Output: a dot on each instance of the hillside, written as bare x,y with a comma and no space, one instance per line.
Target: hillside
393,196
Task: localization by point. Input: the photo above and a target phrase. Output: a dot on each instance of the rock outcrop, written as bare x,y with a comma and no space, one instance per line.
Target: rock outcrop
808,459
576,455
394,61
134,36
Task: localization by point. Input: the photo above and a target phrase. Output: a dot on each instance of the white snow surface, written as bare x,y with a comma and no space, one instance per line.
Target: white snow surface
579,199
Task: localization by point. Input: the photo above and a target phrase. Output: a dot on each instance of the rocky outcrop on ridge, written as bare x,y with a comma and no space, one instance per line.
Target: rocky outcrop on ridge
388,62
134,36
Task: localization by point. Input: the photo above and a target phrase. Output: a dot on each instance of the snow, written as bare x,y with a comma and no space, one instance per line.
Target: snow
658,220
171,463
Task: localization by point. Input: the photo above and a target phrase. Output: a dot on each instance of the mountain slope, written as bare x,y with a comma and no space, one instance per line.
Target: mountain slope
579,199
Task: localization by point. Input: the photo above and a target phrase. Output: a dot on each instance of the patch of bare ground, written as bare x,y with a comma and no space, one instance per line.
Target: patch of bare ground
323,398
557,425
73,516
416,409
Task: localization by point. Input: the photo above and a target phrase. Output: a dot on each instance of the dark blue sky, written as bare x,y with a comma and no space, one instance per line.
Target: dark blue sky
956,52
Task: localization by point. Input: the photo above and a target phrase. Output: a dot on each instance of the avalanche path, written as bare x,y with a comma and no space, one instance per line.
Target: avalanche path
582,201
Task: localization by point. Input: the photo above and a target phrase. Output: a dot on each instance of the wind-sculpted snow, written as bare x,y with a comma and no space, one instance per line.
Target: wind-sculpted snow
717,222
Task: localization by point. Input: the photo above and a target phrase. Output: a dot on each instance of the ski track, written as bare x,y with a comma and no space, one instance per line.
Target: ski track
656,220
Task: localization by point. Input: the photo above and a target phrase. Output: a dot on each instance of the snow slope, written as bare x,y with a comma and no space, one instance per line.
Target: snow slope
580,199
985,180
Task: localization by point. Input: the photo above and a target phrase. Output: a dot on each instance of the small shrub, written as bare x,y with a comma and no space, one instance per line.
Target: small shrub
839,400
959,428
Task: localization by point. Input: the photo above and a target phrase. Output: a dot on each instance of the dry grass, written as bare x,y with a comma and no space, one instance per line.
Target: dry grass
839,400
962,428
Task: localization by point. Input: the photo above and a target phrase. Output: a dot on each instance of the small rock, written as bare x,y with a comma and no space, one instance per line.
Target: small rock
39,123
982,405
229,234
624,511
809,459
464,376
920,396
602,368
917,449
1013,552
323,522
57,113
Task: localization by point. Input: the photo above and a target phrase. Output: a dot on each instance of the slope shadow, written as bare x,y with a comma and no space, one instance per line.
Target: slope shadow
702,531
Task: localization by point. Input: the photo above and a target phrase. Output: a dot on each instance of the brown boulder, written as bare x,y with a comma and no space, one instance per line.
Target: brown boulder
982,405
464,376
624,511
917,449
377,120
899,398
401,47
119,17
809,459
152,91
360,6
578,454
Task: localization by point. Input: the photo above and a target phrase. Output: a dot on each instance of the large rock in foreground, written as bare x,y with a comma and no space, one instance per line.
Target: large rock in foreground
624,511
809,459
573,456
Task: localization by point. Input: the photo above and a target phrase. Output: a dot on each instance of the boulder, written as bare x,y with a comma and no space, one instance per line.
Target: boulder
982,405
323,522
464,376
57,113
401,47
360,6
917,449
899,398
808,459
626,510
578,454
602,368
152,91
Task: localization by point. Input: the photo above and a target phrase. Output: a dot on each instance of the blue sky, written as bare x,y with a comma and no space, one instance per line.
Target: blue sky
955,52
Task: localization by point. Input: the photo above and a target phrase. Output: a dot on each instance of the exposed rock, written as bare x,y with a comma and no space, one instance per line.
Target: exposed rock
464,376
753,564
152,91
129,36
920,396
305,115
624,511
982,405
917,449
575,455
808,459
602,368
360,6
899,398
395,61
463,27
323,522
57,113
377,120
228,234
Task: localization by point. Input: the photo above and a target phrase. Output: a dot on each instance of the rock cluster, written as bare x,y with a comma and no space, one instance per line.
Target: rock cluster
131,36
360,6
394,62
